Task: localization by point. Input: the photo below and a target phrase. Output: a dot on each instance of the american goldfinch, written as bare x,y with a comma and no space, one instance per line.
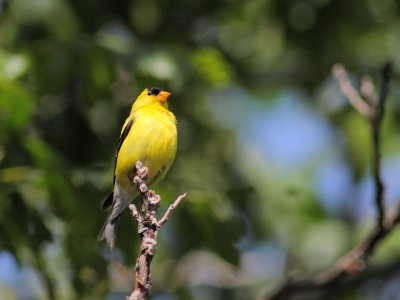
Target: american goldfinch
149,135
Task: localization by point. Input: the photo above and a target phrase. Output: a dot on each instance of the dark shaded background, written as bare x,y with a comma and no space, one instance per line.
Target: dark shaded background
274,160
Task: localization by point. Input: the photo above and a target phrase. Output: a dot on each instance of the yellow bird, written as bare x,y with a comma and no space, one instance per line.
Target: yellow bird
149,135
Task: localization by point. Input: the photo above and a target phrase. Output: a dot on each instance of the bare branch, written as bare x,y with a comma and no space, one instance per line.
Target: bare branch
374,112
355,260
135,213
148,227
306,288
375,123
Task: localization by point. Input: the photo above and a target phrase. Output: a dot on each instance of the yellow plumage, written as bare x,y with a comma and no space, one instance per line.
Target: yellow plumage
149,135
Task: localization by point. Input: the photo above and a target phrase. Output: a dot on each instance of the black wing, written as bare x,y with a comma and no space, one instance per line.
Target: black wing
107,203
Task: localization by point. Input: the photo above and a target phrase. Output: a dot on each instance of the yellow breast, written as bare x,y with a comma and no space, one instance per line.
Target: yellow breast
152,139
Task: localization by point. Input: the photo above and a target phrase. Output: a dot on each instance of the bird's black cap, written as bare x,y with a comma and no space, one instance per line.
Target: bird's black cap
154,91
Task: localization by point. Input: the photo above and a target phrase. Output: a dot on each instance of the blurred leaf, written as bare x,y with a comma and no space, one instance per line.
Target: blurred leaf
12,66
356,130
16,106
212,66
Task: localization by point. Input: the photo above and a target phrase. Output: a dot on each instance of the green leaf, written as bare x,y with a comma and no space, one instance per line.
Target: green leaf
16,106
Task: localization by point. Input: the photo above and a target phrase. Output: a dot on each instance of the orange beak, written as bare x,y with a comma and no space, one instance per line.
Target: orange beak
163,96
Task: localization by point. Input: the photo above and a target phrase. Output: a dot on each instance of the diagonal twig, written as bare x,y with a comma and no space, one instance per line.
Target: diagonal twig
349,91
165,218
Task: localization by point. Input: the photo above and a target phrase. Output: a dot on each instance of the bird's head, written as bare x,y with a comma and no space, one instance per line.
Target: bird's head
152,96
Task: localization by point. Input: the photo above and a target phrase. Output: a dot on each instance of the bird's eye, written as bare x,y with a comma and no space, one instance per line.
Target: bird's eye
149,93
155,91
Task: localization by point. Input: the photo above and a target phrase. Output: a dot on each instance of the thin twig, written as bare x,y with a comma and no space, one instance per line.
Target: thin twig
355,260
148,227
376,121
349,91
367,90
165,218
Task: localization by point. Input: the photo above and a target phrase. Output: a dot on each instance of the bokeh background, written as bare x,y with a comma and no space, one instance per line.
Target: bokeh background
273,158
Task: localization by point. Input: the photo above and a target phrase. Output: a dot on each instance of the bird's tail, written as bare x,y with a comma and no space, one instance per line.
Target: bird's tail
109,229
